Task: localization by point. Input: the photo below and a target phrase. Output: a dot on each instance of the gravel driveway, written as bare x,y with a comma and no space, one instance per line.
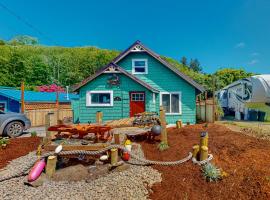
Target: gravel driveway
39,130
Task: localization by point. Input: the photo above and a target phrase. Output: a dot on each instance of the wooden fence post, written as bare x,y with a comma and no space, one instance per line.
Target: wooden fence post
116,137
196,149
204,153
51,166
179,124
114,156
99,116
48,123
164,137
204,139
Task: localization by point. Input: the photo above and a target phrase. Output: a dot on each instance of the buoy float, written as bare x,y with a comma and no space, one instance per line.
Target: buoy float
125,156
58,149
36,170
156,129
128,145
104,157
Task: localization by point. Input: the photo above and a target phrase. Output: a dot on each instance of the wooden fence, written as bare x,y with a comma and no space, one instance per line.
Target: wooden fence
37,117
205,110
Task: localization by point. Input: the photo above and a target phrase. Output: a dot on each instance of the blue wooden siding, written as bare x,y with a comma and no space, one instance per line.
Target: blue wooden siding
120,109
163,79
12,105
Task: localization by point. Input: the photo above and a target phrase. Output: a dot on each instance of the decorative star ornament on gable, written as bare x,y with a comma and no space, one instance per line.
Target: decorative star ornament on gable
137,48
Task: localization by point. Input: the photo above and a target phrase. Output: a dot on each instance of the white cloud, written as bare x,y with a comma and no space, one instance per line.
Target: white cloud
255,54
254,61
240,45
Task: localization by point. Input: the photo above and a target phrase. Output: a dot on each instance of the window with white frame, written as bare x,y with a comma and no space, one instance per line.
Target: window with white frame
99,98
171,102
137,97
139,66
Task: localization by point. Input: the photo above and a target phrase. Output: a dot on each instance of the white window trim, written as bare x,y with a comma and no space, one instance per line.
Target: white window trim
89,102
133,66
180,102
138,93
154,97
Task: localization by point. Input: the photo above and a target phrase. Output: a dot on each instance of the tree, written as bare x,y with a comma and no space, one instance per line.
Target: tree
226,76
2,42
195,65
184,61
40,65
23,40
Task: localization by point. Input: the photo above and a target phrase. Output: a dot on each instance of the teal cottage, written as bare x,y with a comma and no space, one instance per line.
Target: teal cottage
137,80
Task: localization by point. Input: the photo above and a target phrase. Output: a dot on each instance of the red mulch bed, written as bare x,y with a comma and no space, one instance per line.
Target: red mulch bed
18,147
245,159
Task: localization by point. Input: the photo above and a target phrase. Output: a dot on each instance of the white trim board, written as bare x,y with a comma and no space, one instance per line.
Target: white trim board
89,102
180,102
133,66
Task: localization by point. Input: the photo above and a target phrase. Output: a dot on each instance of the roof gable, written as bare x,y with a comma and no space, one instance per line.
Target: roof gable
113,68
139,47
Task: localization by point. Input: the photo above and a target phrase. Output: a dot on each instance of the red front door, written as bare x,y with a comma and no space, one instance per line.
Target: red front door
137,102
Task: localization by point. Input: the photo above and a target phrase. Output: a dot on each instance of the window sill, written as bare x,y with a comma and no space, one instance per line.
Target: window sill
139,73
98,105
173,113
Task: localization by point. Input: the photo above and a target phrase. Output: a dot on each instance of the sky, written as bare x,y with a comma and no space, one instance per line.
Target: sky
219,33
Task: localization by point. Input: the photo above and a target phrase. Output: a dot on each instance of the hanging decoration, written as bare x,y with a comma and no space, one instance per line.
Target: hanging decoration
113,80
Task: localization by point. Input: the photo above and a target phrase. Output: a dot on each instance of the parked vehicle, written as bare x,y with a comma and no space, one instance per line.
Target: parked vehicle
13,124
238,95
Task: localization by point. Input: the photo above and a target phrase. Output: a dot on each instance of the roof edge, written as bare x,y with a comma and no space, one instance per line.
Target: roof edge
99,72
164,62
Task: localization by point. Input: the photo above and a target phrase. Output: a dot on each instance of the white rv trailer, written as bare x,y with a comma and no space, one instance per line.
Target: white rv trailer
238,94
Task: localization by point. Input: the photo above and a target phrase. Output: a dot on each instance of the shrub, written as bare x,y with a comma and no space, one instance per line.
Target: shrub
34,134
4,142
162,146
211,172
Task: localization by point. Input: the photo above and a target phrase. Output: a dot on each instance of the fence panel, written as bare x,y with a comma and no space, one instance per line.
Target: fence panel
205,112
37,117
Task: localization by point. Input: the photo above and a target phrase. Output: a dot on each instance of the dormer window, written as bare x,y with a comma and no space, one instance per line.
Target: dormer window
139,66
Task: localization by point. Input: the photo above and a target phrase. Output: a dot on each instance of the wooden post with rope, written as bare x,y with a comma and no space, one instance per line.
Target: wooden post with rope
196,149
164,138
203,153
22,98
51,166
204,139
204,146
114,156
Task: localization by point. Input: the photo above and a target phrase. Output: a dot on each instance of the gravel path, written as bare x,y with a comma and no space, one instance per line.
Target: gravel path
133,183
